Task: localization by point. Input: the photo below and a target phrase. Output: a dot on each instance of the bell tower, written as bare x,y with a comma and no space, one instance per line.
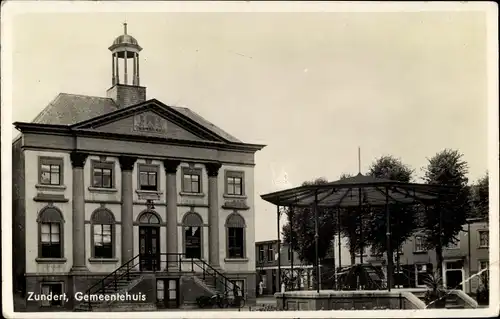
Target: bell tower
125,88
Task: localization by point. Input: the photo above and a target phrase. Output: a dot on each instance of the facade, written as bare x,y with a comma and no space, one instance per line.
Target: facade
267,267
461,261
464,260
101,181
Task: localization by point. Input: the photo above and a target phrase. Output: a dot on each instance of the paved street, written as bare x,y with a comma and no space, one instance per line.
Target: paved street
266,300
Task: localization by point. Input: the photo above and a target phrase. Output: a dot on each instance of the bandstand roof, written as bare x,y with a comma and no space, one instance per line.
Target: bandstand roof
352,191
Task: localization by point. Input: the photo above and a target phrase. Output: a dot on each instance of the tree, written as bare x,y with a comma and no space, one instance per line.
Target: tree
403,220
301,236
443,219
480,196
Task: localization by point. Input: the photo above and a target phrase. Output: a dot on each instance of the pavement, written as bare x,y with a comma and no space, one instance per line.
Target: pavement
266,300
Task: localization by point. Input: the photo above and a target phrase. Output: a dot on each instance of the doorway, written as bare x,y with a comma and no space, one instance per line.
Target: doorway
454,274
167,293
149,248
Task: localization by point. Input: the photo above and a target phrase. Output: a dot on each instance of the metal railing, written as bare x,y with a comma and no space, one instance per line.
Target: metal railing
163,262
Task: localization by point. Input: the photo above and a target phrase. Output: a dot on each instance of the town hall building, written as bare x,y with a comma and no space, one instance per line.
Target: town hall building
123,193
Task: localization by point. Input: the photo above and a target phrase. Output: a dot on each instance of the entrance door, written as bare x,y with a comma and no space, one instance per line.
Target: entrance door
454,275
149,246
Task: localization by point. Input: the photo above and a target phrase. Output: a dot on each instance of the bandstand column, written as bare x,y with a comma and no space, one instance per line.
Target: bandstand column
78,204
316,241
278,214
290,217
127,223
172,242
388,243
213,213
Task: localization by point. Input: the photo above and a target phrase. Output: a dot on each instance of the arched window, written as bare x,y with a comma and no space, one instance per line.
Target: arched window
50,229
148,218
103,233
235,228
193,225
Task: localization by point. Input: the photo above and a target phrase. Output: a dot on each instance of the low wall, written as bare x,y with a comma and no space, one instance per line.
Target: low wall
347,300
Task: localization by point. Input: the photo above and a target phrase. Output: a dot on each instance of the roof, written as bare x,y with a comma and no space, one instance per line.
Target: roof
69,109
125,39
357,190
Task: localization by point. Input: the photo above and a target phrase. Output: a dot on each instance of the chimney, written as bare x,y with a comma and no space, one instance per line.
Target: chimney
127,95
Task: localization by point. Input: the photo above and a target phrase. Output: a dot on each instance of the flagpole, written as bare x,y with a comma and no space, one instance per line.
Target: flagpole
359,160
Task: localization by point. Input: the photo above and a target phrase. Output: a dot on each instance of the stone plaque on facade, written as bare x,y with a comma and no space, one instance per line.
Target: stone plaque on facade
150,122
238,204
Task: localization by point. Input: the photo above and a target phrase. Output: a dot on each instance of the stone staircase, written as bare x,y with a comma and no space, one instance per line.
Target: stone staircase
453,302
208,282
113,287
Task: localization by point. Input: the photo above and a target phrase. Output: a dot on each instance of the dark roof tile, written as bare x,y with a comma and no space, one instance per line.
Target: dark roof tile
69,109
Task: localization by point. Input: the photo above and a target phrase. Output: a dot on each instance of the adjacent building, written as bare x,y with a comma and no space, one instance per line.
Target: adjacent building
462,261
101,181
268,268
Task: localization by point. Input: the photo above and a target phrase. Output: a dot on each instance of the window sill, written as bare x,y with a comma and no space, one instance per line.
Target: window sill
50,187
483,247
192,194
235,196
50,260
102,190
153,195
236,260
103,260
420,252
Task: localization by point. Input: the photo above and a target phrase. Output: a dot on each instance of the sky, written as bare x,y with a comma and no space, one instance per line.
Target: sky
313,87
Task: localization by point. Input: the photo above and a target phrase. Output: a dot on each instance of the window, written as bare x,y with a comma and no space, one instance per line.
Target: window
420,274
51,240
399,276
102,241
261,253
172,289
234,183
365,252
148,177
103,222
270,252
52,289
235,225
240,287
400,250
160,290
191,180
484,240
50,223
193,224
419,244
50,171
102,174
484,265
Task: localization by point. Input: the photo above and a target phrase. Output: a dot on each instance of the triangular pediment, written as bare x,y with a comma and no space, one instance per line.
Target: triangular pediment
151,118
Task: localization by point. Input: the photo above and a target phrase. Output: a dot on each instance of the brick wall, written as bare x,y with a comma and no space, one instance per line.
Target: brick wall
127,95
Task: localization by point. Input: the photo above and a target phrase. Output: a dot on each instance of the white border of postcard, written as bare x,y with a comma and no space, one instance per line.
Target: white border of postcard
12,8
